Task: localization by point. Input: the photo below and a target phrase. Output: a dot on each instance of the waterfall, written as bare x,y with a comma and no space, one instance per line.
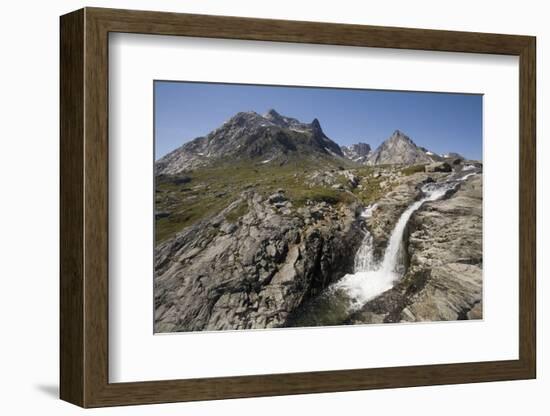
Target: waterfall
370,279
364,258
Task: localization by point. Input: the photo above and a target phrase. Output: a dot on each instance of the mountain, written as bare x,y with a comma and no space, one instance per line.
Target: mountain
453,155
357,152
267,138
399,149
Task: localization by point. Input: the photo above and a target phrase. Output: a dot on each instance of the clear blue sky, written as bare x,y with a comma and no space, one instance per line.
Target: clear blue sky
440,122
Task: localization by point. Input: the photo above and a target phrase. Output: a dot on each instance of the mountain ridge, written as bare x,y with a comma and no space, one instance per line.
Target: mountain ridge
275,138
251,136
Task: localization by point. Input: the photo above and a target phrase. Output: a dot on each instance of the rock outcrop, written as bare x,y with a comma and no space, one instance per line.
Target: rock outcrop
358,152
252,272
444,264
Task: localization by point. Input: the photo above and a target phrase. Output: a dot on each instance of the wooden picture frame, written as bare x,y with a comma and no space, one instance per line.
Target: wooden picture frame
84,207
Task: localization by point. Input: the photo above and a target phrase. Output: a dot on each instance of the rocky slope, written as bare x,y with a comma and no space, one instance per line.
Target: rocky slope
444,264
252,271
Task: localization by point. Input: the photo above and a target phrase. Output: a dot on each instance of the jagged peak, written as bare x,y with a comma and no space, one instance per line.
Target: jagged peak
399,133
316,126
358,144
272,113
242,115
279,119
246,114
253,119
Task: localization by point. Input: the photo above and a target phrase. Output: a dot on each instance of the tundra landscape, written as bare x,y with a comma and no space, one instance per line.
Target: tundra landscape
266,222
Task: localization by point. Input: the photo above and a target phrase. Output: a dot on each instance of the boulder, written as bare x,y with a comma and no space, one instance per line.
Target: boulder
161,214
277,197
438,167
352,179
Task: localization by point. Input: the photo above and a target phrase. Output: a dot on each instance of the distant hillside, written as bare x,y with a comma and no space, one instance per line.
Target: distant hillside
399,149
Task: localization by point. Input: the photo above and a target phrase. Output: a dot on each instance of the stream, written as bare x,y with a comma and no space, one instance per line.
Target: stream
369,279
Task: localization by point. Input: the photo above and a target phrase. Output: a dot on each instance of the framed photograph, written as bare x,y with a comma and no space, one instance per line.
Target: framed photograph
256,207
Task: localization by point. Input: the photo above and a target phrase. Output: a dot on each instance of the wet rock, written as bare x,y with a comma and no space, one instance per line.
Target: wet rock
444,254
390,207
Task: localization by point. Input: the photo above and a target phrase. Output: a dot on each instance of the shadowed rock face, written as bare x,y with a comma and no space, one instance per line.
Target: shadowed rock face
357,152
255,272
438,167
271,138
399,149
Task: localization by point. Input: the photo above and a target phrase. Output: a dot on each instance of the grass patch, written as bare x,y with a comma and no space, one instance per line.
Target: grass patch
299,197
177,221
370,193
198,194
410,170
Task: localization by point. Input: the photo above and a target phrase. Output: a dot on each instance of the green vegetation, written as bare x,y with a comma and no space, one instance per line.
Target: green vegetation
410,170
371,191
187,199
299,196
185,216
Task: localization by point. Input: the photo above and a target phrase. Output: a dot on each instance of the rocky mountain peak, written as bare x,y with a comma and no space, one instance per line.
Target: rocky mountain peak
357,152
272,116
276,118
399,149
272,137
315,123
398,135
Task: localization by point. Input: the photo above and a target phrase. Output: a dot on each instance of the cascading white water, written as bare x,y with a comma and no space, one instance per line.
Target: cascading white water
364,258
369,279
